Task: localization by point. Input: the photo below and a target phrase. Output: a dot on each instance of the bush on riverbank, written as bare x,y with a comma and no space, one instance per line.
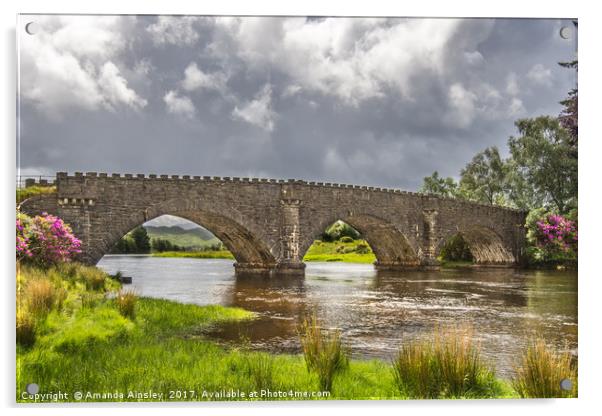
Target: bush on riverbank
355,251
551,239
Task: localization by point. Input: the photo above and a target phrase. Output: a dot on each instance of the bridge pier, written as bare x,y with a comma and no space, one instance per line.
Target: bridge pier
397,265
283,268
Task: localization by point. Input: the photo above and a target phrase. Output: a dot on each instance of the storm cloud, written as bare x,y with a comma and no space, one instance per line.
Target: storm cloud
355,100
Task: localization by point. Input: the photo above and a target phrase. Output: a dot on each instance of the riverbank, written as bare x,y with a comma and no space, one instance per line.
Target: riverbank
205,254
159,347
355,251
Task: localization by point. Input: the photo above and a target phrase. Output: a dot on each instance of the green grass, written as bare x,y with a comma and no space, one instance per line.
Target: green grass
197,238
357,251
209,254
456,264
24,193
337,251
86,345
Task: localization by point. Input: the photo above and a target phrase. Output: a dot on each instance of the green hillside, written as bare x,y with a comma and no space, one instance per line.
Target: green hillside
196,237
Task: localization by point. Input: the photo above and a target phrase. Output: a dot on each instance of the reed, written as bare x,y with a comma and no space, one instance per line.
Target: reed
323,351
26,327
126,303
40,296
447,365
541,370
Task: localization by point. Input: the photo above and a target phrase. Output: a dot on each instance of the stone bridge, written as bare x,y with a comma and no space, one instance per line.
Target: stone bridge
268,224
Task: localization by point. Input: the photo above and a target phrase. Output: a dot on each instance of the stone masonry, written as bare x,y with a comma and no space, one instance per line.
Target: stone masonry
268,224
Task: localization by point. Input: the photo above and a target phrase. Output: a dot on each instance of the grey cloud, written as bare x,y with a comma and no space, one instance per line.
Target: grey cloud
347,119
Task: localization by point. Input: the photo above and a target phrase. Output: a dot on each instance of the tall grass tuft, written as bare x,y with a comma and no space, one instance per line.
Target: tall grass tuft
540,371
94,279
260,370
26,326
126,303
449,365
323,351
40,296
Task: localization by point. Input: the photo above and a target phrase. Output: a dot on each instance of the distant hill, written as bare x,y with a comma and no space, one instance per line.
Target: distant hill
196,237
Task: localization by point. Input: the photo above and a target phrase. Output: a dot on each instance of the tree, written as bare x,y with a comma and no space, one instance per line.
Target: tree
141,240
484,177
543,161
438,185
569,118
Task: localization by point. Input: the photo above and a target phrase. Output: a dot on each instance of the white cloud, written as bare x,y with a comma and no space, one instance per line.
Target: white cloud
539,74
516,107
512,87
258,111
115,90
180,105
195,79
69,64
353,59
462,104
174,30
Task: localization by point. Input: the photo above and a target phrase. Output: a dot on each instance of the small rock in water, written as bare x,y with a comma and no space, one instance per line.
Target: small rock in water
126,279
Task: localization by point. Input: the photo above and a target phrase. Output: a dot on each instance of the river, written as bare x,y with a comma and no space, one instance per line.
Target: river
375,311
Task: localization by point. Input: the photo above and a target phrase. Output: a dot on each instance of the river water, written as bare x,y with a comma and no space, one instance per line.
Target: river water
376,312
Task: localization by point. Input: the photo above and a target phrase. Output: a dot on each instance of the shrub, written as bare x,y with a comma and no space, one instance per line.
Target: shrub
25,327
346,239
40,296
362,248
449,365
541,370
323,352
45,240
456,249
126,303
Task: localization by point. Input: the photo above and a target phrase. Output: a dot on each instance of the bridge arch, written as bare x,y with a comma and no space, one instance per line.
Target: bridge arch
485,245
391,247
239,235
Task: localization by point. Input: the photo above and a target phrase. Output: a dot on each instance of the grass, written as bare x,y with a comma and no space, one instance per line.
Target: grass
541,370
449,365
87,345
208,254
25,193
40,296
456,264
323,352
356,251
126,303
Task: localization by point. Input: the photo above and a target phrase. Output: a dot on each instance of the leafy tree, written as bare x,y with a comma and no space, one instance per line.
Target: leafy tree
438,185
484,177
569,118
340,229
543,165
141,239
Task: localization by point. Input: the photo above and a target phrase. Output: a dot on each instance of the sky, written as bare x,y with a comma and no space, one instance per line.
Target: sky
367,101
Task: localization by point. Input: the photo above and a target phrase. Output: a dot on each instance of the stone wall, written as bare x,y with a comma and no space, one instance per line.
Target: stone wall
269,224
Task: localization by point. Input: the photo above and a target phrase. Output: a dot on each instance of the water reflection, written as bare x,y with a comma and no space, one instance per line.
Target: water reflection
376,311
